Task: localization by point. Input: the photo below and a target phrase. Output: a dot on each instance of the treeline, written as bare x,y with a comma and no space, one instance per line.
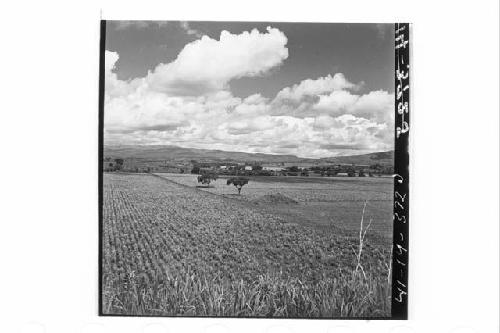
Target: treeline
113,164
240,169
324,171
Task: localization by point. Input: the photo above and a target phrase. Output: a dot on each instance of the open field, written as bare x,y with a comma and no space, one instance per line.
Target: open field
177,250
321,202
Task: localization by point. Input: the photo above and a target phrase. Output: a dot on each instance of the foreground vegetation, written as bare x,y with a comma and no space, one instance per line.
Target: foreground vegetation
350,295
177,251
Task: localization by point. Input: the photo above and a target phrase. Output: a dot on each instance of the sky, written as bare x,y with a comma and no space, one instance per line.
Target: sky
307,89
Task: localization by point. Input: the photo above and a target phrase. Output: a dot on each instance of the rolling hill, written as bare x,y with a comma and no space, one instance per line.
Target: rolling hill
164,152
384,158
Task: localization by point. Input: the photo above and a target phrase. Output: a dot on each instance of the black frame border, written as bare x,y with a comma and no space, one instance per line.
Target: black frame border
102,54
399,301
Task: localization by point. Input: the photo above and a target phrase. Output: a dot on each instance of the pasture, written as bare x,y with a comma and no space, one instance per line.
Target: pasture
321,202
174,249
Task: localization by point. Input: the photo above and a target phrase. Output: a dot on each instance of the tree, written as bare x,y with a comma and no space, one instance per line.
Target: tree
238,182
195,170
331,172
118,163
206,178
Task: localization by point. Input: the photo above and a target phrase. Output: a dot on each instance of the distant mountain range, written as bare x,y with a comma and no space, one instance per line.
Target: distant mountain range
384,157
163,152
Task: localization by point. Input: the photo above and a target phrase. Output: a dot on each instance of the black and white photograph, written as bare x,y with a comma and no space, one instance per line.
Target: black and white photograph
258,167
248,169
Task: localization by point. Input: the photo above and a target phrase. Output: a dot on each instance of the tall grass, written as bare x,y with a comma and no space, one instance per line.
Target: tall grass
350,295
359,291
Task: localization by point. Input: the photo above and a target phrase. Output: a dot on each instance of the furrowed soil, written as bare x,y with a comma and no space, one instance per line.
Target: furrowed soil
172,249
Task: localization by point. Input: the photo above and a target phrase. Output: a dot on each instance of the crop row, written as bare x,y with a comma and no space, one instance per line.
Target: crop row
157,231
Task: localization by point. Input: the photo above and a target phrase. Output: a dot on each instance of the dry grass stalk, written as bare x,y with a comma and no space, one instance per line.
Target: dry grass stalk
362,235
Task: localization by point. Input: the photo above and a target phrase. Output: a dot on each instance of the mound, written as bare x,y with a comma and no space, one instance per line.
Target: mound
276,198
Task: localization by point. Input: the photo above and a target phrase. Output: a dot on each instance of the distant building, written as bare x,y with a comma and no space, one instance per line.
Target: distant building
223,167
300,165
248,168
273,168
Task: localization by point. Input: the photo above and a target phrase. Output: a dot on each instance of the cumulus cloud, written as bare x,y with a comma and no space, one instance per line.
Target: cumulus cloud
376,105
316,87
301,100
113,86
188,102
336,103
207,65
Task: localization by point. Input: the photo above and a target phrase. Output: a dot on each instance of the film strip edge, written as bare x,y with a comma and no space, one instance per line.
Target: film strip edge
102,50
399,297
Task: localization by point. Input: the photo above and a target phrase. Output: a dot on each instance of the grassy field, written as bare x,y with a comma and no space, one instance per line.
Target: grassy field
170,248
320,202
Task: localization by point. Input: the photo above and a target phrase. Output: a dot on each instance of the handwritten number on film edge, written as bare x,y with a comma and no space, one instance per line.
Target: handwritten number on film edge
402,128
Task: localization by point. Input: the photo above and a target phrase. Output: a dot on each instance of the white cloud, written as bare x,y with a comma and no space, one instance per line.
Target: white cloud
188,103
319,86
113,86
207,64
110,59
328,94
376,105
337,103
